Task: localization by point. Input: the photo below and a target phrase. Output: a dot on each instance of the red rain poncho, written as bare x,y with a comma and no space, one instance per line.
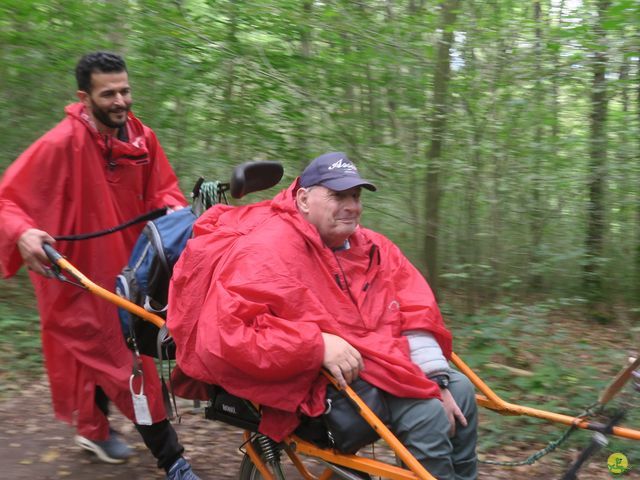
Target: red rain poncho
255,288
63,184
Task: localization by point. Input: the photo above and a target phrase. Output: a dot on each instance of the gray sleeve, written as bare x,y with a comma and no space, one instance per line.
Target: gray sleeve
426,353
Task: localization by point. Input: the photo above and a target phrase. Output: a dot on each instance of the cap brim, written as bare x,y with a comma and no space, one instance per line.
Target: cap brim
341,184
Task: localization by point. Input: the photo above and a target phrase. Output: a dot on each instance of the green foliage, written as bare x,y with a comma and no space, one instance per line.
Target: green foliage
20,348
223,82
533,355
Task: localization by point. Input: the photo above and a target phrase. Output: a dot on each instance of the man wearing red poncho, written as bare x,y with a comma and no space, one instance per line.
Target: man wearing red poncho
266,295
96,169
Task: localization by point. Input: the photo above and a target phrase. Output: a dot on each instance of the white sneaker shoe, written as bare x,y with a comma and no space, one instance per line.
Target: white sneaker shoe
111,450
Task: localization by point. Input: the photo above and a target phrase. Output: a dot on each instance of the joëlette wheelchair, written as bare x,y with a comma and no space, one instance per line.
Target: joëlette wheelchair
262,457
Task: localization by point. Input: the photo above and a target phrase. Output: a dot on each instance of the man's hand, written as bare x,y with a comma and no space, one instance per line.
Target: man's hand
453,411
30,247
342,360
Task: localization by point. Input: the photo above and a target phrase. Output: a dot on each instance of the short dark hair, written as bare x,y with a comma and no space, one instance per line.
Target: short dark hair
97,62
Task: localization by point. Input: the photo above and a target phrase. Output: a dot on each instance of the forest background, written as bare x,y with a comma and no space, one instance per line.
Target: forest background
504,137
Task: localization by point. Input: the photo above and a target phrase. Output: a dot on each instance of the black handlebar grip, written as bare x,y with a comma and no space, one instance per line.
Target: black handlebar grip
250,177
51,252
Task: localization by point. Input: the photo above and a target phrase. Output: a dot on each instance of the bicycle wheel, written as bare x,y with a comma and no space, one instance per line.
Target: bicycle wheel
248,470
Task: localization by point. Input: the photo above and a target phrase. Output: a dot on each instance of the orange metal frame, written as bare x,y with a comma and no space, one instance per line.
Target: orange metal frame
294,445
487,398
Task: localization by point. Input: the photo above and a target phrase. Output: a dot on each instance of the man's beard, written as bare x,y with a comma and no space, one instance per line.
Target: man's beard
103,115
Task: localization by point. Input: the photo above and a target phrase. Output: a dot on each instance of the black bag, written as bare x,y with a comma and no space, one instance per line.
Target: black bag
230,409
347,431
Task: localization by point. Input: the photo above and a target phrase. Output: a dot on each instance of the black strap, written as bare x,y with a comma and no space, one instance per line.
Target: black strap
152,215
168,395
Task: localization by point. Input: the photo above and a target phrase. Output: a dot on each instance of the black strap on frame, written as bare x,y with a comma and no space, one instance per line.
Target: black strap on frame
152,215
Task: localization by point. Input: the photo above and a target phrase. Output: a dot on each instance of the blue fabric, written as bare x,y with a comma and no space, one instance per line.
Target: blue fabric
174,230
334,171
164,237
181,470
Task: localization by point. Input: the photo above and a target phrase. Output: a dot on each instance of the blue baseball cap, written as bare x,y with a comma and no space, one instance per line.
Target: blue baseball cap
335,171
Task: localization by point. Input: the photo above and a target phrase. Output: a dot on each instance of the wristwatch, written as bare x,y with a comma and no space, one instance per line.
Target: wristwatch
442,380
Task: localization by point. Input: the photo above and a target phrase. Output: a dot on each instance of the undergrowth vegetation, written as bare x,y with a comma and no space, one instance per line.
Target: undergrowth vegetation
542,356
20,346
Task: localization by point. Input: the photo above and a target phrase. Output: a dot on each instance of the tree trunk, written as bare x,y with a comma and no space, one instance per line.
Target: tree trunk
229,82
596,226
438,127
637,262
537,217
302,128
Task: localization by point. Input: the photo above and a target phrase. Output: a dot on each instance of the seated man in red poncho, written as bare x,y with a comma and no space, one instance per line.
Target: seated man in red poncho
266,295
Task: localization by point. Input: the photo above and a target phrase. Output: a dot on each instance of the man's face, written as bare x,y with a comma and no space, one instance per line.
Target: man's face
109,100
335,214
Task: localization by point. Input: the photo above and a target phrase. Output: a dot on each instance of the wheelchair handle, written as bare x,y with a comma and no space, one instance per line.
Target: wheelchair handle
52,253
62,263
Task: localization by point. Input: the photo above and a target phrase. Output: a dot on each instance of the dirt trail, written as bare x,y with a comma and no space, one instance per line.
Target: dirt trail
33,445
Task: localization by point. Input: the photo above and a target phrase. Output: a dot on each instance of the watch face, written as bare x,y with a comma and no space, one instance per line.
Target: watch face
442,381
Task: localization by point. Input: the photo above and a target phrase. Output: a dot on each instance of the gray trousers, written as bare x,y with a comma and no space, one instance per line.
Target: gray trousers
422,426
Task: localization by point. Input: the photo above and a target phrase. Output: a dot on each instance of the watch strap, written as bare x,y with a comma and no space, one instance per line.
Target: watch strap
442,380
